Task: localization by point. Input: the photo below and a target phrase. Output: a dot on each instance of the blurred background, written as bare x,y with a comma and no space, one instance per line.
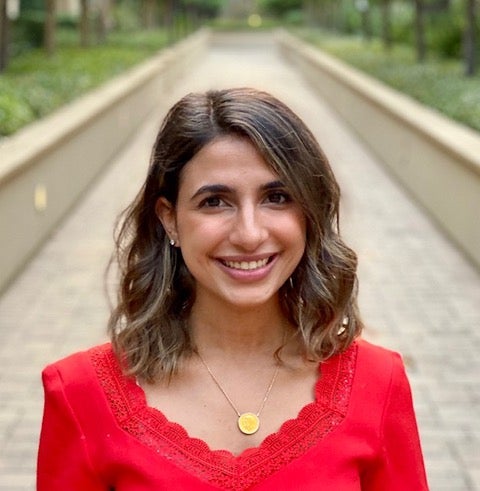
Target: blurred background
391,89
54,50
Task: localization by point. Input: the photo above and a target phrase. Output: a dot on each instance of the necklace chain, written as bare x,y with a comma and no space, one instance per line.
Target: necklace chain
248,423
217,383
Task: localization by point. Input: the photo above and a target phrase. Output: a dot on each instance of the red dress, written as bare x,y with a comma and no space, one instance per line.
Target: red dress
98,434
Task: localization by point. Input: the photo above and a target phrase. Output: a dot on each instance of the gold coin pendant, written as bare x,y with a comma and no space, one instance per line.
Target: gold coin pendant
248,423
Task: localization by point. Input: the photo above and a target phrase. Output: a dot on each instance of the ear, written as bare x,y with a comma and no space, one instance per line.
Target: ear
165,212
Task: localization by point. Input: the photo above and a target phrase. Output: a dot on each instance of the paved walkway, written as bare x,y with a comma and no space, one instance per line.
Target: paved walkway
418,294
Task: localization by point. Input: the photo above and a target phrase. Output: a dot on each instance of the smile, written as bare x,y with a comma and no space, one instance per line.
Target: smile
246,265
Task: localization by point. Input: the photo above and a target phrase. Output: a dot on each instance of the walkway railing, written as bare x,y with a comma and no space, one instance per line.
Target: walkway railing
47,166
435,158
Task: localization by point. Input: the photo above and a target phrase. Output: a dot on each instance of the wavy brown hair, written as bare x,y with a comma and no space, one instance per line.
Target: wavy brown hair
149,327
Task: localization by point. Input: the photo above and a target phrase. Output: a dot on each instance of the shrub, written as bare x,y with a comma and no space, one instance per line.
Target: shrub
444,35
32,23
34,85
402,22
438,83
279,8
15,112
294,17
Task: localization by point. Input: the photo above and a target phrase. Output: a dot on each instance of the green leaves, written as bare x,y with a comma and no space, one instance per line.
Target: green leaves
438,83
35,85
15,112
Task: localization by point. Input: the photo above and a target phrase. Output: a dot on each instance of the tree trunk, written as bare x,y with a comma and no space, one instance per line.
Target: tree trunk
4,35
438,6
84,24
174,20
366,24
329,15
103,20
169,20
101,27
469,42
310,13
386,24
420,30
148,14
49,27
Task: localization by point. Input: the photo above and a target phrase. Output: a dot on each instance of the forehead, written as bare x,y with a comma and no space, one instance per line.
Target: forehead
229,159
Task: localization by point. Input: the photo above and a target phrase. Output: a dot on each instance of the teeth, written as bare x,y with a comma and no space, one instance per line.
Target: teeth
246,265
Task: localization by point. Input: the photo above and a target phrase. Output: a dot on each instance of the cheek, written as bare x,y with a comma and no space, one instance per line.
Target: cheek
199,234
295,229
298,237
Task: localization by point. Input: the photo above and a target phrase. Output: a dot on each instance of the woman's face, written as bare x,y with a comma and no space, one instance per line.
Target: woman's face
241,234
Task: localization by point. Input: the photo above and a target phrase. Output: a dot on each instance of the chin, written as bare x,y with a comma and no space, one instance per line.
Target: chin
248,302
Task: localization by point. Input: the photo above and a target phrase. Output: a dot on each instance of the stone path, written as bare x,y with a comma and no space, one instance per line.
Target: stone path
417,293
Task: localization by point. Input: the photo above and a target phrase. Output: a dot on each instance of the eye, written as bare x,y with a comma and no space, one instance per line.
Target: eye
212,202
279,197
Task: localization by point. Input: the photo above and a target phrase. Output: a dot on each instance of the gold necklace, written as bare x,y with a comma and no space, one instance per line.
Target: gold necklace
248,423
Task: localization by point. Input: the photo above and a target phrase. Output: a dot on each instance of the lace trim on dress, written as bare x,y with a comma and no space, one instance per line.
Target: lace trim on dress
220,467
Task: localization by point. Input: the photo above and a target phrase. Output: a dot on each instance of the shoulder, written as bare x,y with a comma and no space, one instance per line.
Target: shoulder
75,394
76,384
376,357
363,376
365,357
379,368
77,369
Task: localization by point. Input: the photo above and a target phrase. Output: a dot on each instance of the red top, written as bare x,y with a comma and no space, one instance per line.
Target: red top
98,434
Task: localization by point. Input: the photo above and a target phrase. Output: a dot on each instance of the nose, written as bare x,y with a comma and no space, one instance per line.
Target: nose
248,229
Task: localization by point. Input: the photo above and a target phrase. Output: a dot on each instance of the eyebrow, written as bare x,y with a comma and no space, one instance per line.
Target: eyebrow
212,189
222,188
272,185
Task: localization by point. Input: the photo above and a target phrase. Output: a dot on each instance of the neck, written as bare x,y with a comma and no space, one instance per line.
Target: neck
244,334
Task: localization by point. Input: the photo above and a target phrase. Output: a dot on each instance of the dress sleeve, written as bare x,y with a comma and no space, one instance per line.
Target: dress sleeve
400,464
63,460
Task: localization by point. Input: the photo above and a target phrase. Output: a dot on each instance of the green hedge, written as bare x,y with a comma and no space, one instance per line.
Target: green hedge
443,26
438,83
34,85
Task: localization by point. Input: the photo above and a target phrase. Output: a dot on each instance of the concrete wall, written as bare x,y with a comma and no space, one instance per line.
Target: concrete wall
45,167
436,159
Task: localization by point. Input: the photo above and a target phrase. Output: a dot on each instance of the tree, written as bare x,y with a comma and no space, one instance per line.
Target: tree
148,11
169,19
469,42
420,30
309,12
84,23
386,23
363,6
279,8
203,9
4,35
103,20
49,26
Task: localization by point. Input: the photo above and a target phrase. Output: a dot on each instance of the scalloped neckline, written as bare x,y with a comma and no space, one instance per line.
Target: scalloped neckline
137,393
221,467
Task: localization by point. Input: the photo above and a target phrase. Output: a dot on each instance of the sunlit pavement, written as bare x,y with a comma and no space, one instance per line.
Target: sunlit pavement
417,292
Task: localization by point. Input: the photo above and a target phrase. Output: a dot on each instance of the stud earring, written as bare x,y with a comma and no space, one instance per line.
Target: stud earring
343,327
172,242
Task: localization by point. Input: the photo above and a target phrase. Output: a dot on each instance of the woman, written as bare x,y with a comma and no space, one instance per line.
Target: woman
235,360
